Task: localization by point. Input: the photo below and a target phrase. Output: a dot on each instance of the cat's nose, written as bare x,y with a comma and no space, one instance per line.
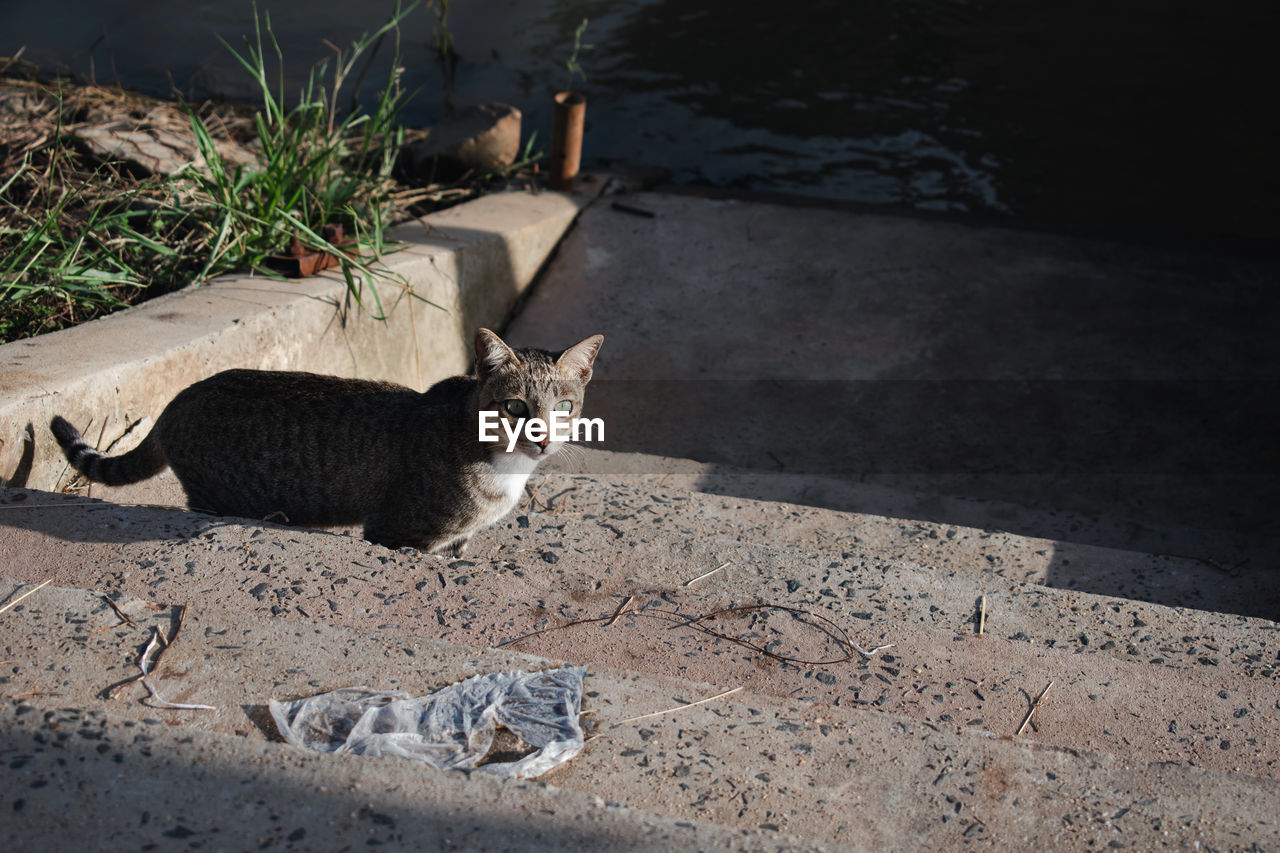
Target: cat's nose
543,444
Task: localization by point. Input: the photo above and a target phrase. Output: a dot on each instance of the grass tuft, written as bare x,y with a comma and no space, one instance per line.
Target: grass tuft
80,237
317,164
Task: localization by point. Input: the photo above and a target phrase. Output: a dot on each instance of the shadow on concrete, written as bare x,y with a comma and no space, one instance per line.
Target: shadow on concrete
1181,469
489,286
17,467
295,801
1072,390
1193,454
76,519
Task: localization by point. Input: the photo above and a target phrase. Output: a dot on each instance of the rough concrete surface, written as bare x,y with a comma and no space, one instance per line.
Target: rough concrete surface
1170,565
1054,372
702,556
749,763
1129,662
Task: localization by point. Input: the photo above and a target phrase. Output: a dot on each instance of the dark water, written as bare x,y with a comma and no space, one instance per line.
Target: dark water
1148,116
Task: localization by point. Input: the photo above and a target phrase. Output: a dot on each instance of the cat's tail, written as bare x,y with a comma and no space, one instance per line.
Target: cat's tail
145,460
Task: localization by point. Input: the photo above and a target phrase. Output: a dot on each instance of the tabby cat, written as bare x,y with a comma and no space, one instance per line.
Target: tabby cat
319,450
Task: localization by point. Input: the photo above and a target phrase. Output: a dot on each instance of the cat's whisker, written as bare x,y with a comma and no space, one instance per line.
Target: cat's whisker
575,454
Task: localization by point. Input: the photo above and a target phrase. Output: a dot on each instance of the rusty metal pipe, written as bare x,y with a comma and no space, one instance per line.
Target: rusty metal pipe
566,139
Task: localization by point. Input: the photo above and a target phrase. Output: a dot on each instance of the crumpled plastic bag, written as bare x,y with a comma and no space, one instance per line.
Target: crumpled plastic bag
450,729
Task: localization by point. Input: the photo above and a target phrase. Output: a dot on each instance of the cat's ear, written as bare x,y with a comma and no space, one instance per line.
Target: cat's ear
492,353
576,360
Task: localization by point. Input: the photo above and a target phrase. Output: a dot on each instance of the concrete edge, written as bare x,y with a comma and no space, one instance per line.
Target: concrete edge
470,263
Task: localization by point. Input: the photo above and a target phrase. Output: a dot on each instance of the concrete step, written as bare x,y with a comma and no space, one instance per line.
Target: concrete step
963,534
90,773
744,771
1052,387
1051,371
1142,681
1159,729
1170,565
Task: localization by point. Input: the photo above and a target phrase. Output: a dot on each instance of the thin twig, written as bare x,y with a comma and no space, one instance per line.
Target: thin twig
533,499
833,630
124,617
38,586
1032,709
620,611
143,669
680,708
169,641
706,574
982,614
147,665
539,633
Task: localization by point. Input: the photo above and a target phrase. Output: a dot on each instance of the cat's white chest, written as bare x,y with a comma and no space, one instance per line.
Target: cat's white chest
512,470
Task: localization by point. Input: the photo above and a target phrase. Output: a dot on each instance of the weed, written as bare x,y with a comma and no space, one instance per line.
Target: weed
79,238
445,50
316,165
572,65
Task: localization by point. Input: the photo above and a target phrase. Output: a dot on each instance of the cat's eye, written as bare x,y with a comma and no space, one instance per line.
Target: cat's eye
516,408
564,406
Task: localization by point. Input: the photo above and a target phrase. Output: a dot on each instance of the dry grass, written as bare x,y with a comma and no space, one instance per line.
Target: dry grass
81,237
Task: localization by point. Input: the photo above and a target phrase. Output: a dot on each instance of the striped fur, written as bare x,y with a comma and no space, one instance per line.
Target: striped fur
144,461
320,450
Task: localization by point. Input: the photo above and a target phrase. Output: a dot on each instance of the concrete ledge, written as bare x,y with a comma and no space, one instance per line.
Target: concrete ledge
472,261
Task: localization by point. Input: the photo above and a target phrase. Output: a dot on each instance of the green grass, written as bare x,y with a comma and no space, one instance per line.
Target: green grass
318,165
572,65
78,240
